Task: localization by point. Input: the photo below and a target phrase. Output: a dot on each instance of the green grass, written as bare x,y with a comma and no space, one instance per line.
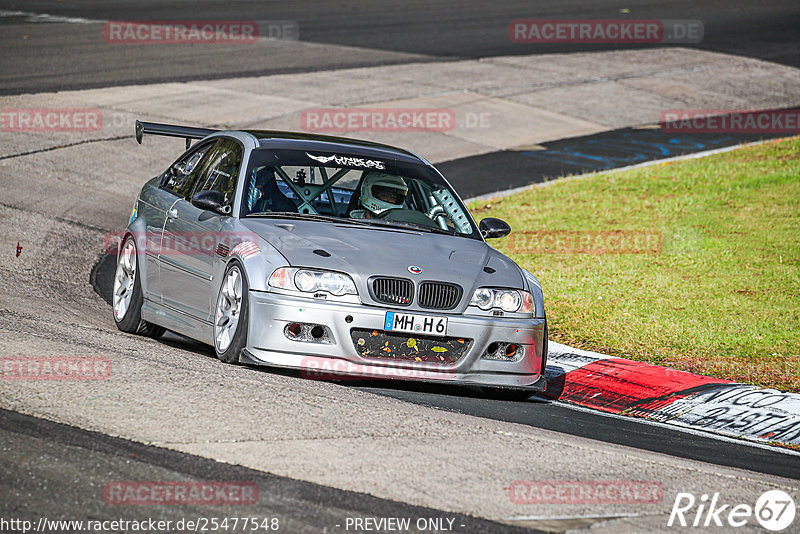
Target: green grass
719,296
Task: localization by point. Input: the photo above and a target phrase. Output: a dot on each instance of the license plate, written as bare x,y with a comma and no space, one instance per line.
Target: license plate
415,324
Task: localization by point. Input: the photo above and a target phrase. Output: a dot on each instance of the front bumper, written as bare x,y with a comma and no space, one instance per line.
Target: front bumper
268,344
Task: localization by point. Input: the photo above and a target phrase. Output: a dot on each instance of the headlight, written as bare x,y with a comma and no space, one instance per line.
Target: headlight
509,300
483,298
312,281
305,280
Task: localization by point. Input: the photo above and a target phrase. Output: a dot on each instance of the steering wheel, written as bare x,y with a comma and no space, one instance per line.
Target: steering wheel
405,215
386,212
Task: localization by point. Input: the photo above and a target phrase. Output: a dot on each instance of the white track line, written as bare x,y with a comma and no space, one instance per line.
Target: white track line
567,517
44,17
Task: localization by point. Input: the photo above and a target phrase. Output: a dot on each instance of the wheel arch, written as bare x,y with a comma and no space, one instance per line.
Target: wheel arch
136,230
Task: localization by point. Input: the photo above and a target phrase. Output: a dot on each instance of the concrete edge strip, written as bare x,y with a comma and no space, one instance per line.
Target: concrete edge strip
636,389
630,388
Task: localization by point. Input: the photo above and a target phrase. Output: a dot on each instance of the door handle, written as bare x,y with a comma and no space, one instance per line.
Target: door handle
172,214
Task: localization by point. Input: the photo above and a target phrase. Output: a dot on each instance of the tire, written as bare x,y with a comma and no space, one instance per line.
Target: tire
127,296
231,314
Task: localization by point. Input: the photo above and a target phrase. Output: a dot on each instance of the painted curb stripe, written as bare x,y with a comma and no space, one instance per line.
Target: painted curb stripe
617,385
626,387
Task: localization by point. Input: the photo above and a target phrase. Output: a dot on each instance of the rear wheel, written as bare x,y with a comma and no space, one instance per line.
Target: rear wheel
127,298
231,316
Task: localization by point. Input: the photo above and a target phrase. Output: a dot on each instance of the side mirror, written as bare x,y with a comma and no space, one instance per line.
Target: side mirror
492,228
211,201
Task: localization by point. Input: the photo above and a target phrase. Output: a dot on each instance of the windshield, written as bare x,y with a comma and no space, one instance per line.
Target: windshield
355,189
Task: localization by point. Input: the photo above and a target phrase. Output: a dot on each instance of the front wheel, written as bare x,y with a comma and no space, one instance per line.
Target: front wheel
231,316
127,299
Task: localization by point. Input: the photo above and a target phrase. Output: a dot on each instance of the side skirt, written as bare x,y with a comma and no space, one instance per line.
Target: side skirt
179,322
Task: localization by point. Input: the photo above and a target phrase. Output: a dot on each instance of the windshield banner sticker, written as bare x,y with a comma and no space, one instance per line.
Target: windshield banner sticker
347,161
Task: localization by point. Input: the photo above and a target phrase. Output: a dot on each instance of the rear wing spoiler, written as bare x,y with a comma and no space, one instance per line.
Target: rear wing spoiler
171,130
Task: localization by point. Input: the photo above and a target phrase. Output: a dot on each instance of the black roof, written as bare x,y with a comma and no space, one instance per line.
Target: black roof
286,140
329,143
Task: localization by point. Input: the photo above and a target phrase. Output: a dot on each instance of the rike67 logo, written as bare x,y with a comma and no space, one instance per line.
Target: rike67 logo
774,510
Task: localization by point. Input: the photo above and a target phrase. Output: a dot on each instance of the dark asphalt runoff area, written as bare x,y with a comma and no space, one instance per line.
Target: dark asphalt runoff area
57,472
47,56
508,169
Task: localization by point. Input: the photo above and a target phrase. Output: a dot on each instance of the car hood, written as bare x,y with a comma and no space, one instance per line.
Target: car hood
363,252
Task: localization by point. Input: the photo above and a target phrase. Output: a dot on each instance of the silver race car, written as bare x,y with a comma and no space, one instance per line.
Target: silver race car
333,256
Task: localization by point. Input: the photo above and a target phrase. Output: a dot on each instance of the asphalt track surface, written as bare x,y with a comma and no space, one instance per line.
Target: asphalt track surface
43,457
50,56
541,413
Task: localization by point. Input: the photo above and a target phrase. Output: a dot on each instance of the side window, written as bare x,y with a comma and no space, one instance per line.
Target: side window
220,168
181,176
268,192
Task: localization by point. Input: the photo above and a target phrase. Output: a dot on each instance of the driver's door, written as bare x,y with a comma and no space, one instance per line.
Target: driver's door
175,182
191,234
